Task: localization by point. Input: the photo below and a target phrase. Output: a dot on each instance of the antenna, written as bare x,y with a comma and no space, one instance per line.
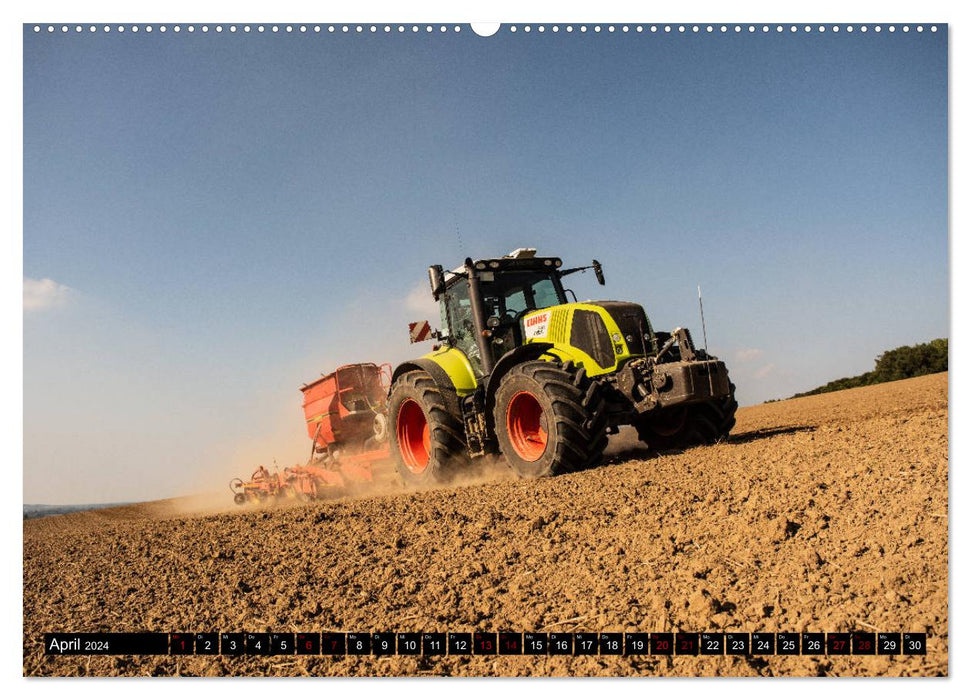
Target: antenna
704,333
458,232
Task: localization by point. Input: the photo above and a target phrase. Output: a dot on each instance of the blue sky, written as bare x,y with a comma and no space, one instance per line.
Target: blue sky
212,219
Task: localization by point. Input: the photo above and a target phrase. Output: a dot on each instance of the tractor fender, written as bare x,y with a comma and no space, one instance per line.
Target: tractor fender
440,377
517,356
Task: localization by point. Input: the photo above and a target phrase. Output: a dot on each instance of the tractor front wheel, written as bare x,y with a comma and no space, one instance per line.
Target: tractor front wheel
685,426
427,441
549,419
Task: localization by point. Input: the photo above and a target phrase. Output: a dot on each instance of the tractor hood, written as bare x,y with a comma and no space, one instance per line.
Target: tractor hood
633,323
607,332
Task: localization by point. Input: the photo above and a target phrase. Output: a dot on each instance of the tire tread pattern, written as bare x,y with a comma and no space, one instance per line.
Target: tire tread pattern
448,452
580,417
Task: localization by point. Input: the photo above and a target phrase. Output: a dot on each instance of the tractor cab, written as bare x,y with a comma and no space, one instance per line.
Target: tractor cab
483,304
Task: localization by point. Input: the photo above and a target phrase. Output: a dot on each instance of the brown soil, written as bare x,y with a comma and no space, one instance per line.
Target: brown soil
827,513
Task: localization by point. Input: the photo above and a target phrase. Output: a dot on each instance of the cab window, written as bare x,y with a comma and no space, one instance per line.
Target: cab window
545,294
456,310
512,293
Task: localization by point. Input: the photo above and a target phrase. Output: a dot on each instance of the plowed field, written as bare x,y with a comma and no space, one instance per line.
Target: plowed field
827,513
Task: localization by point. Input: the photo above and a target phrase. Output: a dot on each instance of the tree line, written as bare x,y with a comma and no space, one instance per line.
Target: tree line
900,363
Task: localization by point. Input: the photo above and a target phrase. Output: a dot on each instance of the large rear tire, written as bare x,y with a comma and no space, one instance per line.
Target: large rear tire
427,441
549,419
687,426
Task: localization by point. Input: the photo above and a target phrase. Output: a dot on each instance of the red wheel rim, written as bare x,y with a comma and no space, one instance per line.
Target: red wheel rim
413,439
526,427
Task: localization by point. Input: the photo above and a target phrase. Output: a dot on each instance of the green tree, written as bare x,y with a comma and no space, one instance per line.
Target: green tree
912,361
900,363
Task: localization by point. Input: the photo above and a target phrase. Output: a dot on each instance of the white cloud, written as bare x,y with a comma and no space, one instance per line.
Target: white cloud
419,301
44,294
747,354
764,372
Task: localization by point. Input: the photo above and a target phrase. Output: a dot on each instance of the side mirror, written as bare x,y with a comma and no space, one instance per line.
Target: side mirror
599,272
436,278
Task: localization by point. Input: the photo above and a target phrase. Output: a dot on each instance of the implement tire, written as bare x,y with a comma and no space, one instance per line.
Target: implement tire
549,419
427,441
686,426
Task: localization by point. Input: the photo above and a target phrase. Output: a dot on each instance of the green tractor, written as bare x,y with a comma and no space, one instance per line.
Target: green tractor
524,372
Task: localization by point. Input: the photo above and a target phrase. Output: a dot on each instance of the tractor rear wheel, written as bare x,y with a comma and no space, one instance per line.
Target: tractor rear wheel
686,426
549,419
427,441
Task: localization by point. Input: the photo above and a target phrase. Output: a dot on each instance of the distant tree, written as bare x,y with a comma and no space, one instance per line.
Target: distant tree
912,361
900,363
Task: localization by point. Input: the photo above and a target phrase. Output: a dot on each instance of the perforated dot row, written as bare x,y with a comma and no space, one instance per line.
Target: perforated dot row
248,28
712,28
428,28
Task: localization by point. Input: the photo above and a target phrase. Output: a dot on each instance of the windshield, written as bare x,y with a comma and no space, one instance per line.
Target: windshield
508,294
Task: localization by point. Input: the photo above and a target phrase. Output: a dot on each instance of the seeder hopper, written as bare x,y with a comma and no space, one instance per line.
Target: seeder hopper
346,417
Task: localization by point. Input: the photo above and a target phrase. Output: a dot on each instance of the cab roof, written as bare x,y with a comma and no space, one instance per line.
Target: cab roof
519,259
